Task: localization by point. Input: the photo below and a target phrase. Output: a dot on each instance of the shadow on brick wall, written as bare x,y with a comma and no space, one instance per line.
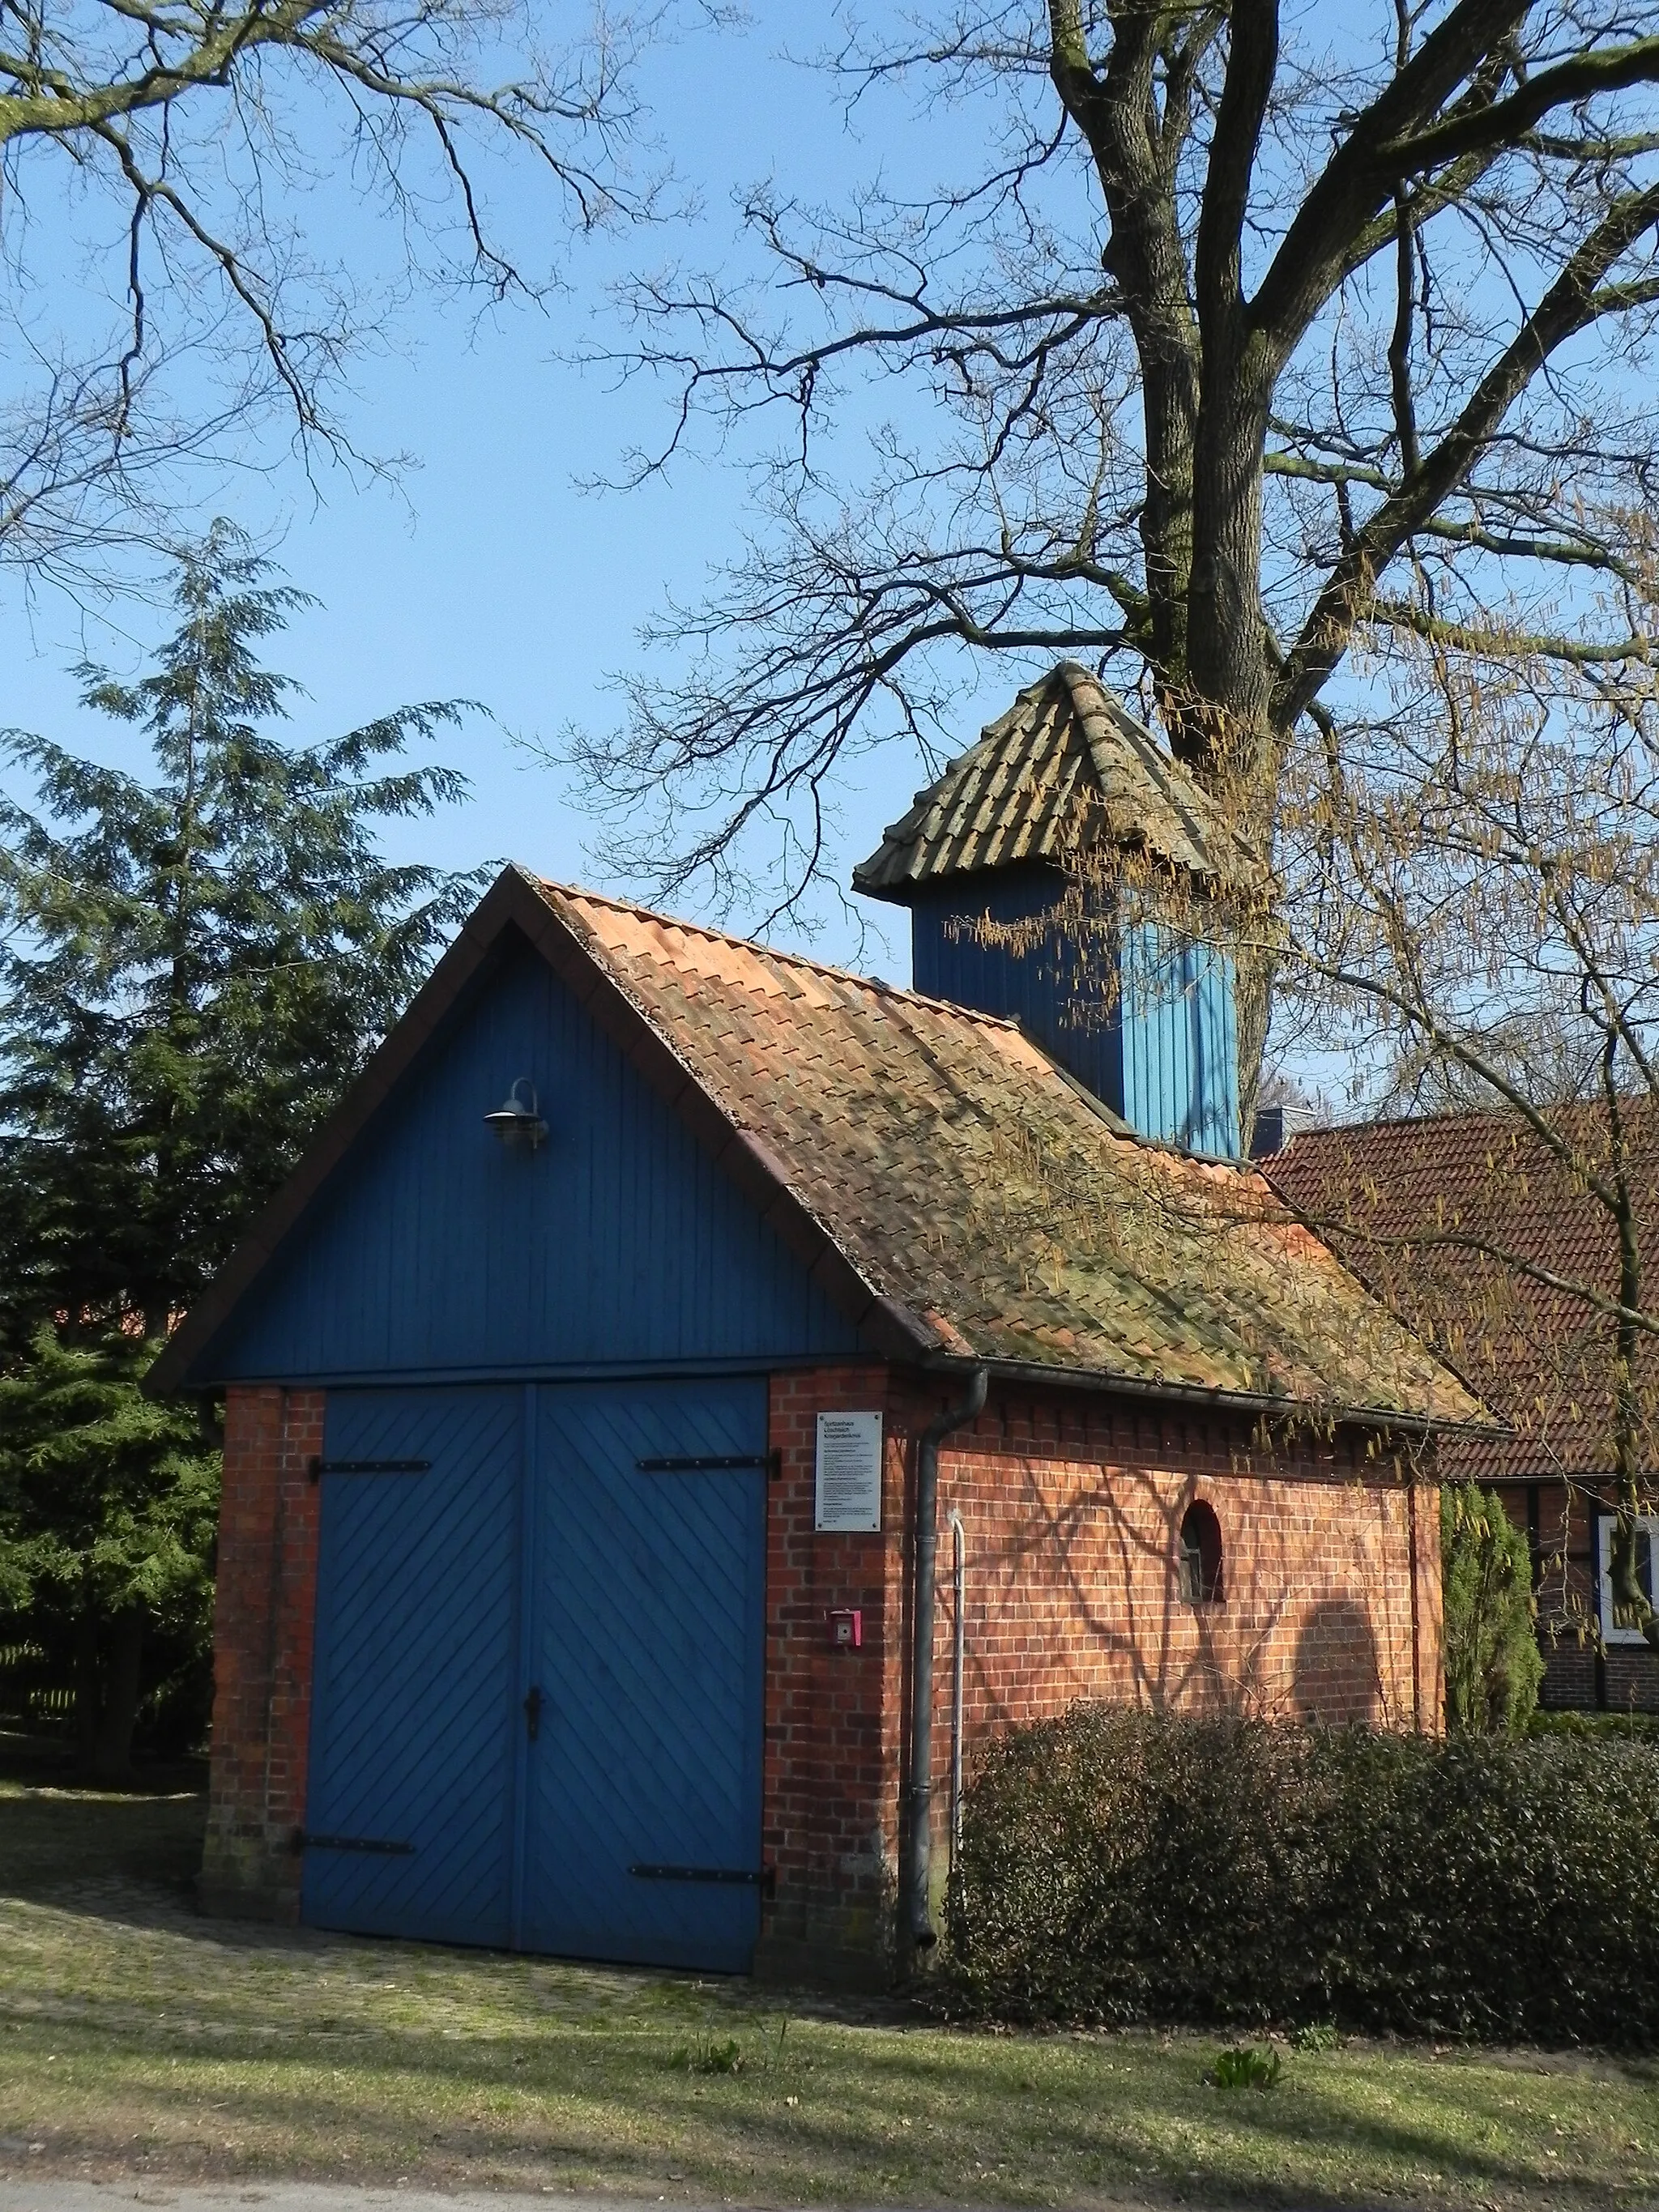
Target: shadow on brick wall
1337,1673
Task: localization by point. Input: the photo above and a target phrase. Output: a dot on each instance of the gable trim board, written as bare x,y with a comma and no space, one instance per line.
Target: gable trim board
520,910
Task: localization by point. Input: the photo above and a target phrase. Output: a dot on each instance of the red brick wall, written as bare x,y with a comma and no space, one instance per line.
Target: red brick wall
1073,1535
263,1623
831,1716
1578,1675
1071,1509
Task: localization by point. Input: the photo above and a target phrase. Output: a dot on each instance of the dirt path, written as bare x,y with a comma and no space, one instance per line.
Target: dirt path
18,2194
50,2195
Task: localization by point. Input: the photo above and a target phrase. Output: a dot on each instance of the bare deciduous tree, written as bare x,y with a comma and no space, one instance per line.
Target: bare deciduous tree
1469,910
1249,341
159,288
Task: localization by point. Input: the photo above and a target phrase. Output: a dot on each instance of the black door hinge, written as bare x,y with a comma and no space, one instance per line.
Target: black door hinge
718,1463
304,1841
319,1468
764,1878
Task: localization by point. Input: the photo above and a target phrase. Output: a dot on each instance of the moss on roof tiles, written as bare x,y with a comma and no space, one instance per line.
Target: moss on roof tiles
964,1175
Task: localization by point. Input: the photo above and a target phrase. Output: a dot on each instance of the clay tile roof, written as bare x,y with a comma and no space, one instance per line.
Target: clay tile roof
967,1180
1064,769
1428,1211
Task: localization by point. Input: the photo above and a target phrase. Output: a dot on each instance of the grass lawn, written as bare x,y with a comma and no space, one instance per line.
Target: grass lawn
135,2038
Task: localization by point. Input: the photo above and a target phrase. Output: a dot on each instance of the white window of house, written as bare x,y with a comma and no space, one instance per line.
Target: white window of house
1617,1627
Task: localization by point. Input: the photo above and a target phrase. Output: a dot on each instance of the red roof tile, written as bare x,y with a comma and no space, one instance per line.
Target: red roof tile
1430,1211
969,1181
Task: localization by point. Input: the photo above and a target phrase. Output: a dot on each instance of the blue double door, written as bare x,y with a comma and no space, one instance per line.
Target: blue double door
538,1670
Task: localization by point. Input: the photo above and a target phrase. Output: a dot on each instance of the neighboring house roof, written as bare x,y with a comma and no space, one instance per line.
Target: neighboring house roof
1064,769
959,1193
1444,1216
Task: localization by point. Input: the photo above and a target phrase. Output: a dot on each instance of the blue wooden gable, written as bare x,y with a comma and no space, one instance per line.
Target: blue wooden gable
433,1251
1142,1018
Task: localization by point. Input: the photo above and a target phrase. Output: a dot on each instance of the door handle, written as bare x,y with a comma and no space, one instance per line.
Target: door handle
533,1711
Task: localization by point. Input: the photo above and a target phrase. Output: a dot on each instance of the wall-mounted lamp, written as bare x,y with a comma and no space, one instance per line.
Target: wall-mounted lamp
518,1122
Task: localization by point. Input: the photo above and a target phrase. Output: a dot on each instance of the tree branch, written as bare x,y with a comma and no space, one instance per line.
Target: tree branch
1245,89
1506,122
1567,307
1358,179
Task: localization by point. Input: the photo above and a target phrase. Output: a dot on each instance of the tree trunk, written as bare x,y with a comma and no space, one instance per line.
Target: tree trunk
88,1701
1255,971
113,1754
1135,161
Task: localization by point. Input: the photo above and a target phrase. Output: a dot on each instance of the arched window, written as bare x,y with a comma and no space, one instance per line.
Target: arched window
1200,1556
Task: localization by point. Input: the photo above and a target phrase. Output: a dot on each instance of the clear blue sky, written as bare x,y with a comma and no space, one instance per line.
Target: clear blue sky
486,574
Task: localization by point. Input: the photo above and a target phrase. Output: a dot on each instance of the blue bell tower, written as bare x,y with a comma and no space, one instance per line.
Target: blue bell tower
1142,1014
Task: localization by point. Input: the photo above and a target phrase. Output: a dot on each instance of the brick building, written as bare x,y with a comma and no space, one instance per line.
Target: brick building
579,1447
1489,1247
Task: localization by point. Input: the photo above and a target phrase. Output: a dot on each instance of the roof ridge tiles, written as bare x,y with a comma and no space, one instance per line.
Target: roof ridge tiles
1501,1120
1015,795
877,984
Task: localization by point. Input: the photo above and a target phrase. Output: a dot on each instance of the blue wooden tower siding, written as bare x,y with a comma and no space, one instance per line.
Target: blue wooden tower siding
1142,1017
1146,1022
540,1654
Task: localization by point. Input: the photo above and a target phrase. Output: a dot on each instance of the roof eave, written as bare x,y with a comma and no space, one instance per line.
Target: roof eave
1258,1404
898,891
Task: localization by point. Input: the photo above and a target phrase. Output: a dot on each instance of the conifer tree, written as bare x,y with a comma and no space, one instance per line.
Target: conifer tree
193,967
108,1502
1493,1665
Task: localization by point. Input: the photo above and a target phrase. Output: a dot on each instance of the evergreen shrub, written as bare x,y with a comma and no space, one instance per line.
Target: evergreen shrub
1120,1866
1493,1665
1619,1723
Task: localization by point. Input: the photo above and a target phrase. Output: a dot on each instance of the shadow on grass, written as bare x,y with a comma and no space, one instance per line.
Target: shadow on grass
574,2108
65,1838
578,2077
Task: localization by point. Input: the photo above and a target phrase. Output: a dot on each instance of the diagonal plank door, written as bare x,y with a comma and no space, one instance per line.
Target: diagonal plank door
648,1649
410,1826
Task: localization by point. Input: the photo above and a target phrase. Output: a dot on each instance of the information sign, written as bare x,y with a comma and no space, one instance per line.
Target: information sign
849,1474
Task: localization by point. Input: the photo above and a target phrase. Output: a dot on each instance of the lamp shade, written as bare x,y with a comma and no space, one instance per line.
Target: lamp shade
517,1119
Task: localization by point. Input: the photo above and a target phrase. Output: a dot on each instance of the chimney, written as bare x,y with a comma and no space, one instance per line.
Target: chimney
1276,1125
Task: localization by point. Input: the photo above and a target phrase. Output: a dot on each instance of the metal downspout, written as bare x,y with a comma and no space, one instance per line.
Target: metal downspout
958,1653
1417,1635
918,1873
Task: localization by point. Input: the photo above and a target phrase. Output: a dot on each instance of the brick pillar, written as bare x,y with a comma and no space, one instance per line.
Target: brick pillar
262,1640
830,1804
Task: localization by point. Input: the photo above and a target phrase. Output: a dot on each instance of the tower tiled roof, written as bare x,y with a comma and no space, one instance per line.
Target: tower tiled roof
1066,767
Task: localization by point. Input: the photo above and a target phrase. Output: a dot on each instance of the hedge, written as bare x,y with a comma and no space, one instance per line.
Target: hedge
1618,1722
1121,1866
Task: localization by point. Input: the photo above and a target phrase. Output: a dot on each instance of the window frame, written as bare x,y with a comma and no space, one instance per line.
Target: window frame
1216,1593
1606,1520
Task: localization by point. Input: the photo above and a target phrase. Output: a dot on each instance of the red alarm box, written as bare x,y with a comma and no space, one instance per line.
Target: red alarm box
847,1627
